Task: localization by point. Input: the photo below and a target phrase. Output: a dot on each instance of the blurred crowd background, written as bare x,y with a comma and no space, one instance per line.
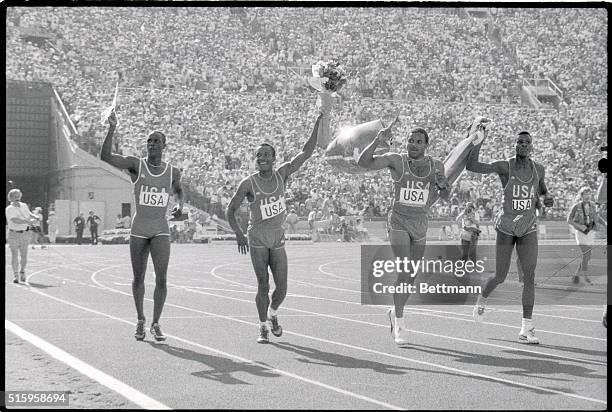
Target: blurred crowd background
220,81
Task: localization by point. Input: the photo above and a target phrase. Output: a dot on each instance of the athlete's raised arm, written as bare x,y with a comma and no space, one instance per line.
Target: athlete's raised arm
230,214
444,188
129,163
368,160
475,165
286,169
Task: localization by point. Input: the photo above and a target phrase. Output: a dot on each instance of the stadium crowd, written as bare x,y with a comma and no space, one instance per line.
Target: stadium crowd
216,104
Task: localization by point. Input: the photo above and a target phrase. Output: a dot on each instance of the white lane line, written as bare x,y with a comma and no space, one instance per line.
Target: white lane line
226,354
421,311
97,318
430,312
48,268
320,269
86,369
547,316
597,308
519,349
492,299
404,358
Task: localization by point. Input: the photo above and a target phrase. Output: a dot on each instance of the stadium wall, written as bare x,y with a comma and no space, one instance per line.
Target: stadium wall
27,141
80,182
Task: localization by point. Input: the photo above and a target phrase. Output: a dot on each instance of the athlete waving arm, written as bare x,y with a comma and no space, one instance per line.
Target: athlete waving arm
129,163
287,168
368,160
475,165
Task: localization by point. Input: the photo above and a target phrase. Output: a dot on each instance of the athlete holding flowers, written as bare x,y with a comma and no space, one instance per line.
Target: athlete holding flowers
265,237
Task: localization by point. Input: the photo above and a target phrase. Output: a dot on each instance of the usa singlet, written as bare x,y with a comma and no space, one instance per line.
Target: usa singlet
411,200
151,194
518,214
267,213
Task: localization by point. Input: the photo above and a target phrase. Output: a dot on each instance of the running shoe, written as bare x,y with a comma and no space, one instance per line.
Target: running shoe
587,280
22,276
277,330
157,333
16,278
576,279
528,337
140,330
478,312
398,332
263,335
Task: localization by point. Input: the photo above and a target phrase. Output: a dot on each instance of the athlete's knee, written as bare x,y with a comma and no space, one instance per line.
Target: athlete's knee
263,285
500,278
281,289
496,279
405,278
138,279
160,281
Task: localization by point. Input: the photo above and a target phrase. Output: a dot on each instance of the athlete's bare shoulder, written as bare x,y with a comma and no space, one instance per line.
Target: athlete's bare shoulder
245,185
539,168
502,167
395,159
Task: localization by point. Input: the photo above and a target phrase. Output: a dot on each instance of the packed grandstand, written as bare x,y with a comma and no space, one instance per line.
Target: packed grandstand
219,81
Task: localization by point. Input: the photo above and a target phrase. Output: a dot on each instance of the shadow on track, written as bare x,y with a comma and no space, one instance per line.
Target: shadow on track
527,367
221,369
582,351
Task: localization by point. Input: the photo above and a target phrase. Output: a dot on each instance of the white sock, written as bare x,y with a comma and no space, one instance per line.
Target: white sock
526,324
481,301
399,323
271,312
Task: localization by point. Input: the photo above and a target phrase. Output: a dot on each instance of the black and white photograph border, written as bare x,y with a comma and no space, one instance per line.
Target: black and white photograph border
306,205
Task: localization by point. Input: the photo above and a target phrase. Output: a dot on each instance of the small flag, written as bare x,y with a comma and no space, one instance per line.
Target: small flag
107,112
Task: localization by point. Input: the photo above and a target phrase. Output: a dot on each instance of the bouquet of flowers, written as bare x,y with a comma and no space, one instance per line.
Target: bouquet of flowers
328,76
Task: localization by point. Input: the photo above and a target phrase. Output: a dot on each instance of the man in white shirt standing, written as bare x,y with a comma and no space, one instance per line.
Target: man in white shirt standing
311,224
18,219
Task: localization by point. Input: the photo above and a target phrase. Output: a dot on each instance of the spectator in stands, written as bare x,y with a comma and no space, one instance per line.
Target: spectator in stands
311,224
246,78
362,232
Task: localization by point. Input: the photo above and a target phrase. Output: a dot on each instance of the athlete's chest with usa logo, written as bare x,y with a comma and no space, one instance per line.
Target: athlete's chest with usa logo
153,196
414,193
522,195
271,206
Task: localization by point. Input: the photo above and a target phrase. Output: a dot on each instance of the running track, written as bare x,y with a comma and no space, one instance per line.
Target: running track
334,354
